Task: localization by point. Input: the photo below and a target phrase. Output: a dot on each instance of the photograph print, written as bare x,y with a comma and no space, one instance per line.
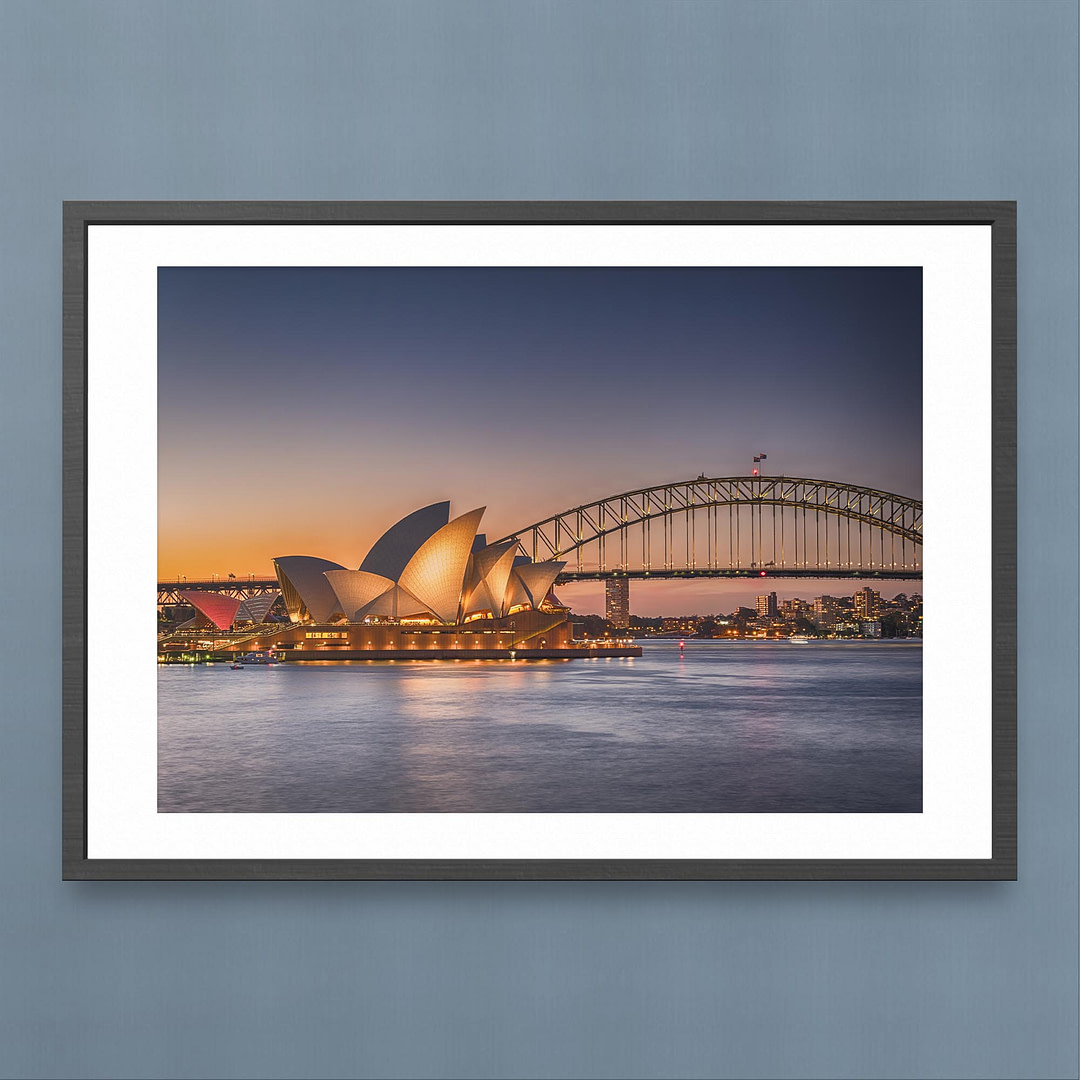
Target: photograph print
540,540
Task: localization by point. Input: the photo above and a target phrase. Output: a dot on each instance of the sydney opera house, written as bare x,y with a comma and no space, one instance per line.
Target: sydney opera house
426,569
431,586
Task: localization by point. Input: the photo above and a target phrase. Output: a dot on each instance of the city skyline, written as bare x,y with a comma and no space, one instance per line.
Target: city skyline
865,612
304,409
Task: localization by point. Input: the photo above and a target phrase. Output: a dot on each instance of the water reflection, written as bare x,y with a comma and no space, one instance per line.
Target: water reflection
723,727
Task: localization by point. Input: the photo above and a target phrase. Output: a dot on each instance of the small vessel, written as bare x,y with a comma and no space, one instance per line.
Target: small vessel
237,667
265,659
799,639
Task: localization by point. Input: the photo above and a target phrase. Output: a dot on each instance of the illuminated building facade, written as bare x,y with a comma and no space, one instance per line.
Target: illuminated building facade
426,570
526,632
867,603
617,602
766,605
825,610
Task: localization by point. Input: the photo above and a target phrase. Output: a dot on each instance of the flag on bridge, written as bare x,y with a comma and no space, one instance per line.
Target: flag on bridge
756,460
762,458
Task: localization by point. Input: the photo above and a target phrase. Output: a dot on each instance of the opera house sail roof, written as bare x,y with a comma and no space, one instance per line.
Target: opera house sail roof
426,567
436,573
219,611
212,610
391,553
308,595
357,591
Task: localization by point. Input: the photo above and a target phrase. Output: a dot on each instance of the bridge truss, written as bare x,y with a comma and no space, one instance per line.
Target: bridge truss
735,526
718,527
238,588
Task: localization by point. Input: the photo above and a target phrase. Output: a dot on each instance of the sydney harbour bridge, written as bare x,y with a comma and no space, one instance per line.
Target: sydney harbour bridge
733,527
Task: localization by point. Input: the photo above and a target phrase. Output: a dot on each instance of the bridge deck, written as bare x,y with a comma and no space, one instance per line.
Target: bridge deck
809,573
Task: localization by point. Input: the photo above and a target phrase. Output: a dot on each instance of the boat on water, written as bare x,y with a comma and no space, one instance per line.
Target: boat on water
255,659
799,639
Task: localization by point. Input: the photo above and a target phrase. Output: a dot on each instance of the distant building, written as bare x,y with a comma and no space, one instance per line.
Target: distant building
825,610
766,606
867,603
617,602
870,628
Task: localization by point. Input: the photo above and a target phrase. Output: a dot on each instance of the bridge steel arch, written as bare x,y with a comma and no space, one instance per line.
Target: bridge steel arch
735,526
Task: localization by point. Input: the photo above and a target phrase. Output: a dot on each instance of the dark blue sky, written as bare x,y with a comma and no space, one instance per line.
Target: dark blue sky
362,393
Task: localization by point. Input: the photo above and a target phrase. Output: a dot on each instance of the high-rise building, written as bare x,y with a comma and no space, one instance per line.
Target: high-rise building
766,605
825,610
867,603
617,602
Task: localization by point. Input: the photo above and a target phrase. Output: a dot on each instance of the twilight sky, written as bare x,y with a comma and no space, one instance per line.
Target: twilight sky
305,410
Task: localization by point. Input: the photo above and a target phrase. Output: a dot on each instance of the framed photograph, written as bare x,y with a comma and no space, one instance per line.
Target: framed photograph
539,540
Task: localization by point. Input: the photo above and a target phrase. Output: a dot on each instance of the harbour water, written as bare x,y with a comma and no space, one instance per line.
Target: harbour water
726,727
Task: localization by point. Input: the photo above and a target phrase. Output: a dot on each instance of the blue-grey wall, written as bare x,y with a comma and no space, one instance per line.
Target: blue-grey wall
597,100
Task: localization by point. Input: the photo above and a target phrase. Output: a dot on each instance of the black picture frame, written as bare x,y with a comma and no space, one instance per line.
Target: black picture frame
999,215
